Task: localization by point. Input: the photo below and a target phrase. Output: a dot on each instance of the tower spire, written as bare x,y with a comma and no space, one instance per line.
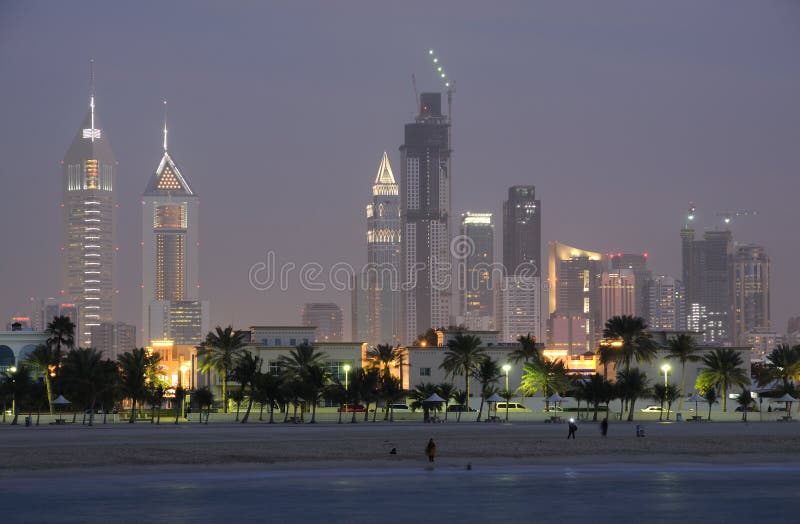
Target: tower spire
165,125
91,93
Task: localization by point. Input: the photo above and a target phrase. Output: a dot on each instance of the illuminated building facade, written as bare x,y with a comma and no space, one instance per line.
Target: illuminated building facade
170,261
425,216
89,172
327,318
381,318
616,295
637,263
113,338
569,333
707,277
571,275
666,304
475,271
750,292
522,232
517,307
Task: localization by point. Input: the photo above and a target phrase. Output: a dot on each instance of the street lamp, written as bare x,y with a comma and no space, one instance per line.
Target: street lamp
346,368
506,368
665,368
184,368
13,370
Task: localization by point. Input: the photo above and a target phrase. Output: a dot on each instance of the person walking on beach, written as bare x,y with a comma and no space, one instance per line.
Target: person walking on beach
604,426
430,450
572,428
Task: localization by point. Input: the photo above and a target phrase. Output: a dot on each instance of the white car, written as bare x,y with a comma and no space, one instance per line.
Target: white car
652,409
513,407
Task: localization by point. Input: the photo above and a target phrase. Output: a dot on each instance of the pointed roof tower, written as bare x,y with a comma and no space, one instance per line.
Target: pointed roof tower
89,141
385,183
167,179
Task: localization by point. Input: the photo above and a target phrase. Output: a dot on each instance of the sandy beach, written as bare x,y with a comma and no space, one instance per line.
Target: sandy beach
285,446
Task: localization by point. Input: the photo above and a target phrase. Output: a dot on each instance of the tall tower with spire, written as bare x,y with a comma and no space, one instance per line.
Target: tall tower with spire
89,179
171,308
383,258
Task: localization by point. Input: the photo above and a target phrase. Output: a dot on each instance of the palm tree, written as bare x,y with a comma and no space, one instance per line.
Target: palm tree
683,349
462,357
219,353
527,351
204,397
633,385
135,367
722,370
245,371
783,364
487,373
636,341
306,366
61,334
180,395
383,357
710,394
316,378
659,393
606,354
418,396
87,375
462,400
671,394
446,390
595,391
391,391
44,360
268,392
745,400
547,376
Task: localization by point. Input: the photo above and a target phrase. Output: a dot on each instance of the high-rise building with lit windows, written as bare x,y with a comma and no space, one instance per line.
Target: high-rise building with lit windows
522,232
382,273
476,271
89,176
171,308
425,196
750,292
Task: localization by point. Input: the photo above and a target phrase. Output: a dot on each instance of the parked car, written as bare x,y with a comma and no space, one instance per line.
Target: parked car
513,407
455,408
553,409
750,409
400,408
349,408
652,409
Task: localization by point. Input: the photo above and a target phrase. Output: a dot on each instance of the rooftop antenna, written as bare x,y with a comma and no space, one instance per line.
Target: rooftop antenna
165,125
91,93
416,94
690,214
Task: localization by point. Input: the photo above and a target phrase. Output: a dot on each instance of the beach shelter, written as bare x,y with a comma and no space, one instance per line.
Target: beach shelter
493,400
61,401
788,399
555,398
433,399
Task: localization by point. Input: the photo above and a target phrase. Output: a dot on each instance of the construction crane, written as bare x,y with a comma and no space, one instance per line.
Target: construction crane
728,216
450,85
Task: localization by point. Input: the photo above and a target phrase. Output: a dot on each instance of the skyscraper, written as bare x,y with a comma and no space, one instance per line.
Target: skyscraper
89,171
616,295
113,338
750,291
475,266
522,232
571,274
518,307
327,318
637,263
707,277
170,260
383,258
666,304
425,200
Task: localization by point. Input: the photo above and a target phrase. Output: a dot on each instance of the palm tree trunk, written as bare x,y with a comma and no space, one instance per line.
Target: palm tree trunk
480,410
661,413
313,413
249,406
353,418
153,413
49,387
596,407
271,411
158,422
631,412
261,412
208,413
133,411
724,397
366,412
225,391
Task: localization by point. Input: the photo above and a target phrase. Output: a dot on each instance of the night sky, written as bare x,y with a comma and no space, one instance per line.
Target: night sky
620,113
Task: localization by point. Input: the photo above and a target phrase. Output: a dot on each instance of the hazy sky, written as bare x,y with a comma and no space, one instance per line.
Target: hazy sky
619,112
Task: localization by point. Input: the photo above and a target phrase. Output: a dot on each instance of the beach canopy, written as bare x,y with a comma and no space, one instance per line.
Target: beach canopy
60,400
696,398
555,397
434,398
495,398
786,398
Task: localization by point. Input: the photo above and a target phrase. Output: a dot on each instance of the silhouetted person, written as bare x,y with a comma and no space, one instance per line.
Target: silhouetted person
769,409
430,450
604,426
572,428
393,452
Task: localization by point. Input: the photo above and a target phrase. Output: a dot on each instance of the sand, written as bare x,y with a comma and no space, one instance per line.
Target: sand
291,446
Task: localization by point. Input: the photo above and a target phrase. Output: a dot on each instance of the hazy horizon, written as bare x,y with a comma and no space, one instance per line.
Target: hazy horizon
619,114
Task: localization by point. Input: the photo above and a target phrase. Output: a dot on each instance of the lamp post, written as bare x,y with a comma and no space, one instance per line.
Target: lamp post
184,367
506,368
665,368
346,368
13,371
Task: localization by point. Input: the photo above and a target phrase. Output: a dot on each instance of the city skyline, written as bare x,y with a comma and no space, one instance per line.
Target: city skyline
206,149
